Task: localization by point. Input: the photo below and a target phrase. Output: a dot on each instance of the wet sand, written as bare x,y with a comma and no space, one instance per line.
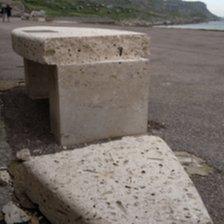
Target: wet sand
186,101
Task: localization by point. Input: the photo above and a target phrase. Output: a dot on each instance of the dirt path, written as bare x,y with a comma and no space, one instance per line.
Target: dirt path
186,97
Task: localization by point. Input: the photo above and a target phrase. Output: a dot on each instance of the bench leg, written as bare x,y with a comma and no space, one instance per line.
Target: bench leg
98,101
37,79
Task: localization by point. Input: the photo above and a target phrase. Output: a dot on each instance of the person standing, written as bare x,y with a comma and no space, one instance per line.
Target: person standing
8,12
3,12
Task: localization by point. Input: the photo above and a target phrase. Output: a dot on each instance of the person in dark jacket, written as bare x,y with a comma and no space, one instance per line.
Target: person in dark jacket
3,12
8,12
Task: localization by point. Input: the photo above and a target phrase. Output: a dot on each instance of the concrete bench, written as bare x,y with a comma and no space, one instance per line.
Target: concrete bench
96,80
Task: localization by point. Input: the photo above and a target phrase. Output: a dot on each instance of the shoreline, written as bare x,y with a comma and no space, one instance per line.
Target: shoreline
125,22
129,24
217,26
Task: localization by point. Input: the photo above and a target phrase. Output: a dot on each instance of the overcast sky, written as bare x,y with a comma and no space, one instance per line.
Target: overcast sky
215,6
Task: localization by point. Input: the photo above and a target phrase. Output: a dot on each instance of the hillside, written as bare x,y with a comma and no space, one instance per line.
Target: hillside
154,11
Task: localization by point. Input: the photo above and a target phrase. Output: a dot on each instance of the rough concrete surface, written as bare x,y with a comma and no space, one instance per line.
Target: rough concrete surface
132,180
185,106
99,100
37,79
67,45
98,87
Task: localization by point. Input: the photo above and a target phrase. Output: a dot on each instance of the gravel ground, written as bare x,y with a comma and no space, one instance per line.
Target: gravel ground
185,105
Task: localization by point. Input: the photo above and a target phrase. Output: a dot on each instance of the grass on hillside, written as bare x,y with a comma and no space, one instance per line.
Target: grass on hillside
79,8
84,8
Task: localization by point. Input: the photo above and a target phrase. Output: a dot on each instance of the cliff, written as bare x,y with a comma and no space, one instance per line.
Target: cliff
151,11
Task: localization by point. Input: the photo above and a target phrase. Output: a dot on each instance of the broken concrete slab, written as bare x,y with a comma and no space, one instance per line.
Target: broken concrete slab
77,45
132,180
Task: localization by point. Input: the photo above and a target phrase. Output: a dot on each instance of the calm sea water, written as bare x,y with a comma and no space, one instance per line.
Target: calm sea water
216,25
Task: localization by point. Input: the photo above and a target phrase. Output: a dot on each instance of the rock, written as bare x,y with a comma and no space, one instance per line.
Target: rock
40,13
65,147
13,214
38,16
25,16
23,155
5,178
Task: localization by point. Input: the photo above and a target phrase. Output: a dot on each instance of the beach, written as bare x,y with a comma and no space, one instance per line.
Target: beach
186,100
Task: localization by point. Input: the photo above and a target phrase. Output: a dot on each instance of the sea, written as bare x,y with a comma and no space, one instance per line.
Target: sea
213,25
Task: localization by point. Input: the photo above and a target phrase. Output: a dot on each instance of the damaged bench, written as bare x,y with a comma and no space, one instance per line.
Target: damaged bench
96,80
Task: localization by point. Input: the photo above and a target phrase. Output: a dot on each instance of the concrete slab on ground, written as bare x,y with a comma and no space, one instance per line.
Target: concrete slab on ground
132,180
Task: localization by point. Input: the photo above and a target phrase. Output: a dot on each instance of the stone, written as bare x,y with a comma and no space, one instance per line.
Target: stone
23,155
38,16
40,13
5,178
132,180
66,45
97,80
25,16
13,214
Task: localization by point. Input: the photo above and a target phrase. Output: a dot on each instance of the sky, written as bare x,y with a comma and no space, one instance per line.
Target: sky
215,6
